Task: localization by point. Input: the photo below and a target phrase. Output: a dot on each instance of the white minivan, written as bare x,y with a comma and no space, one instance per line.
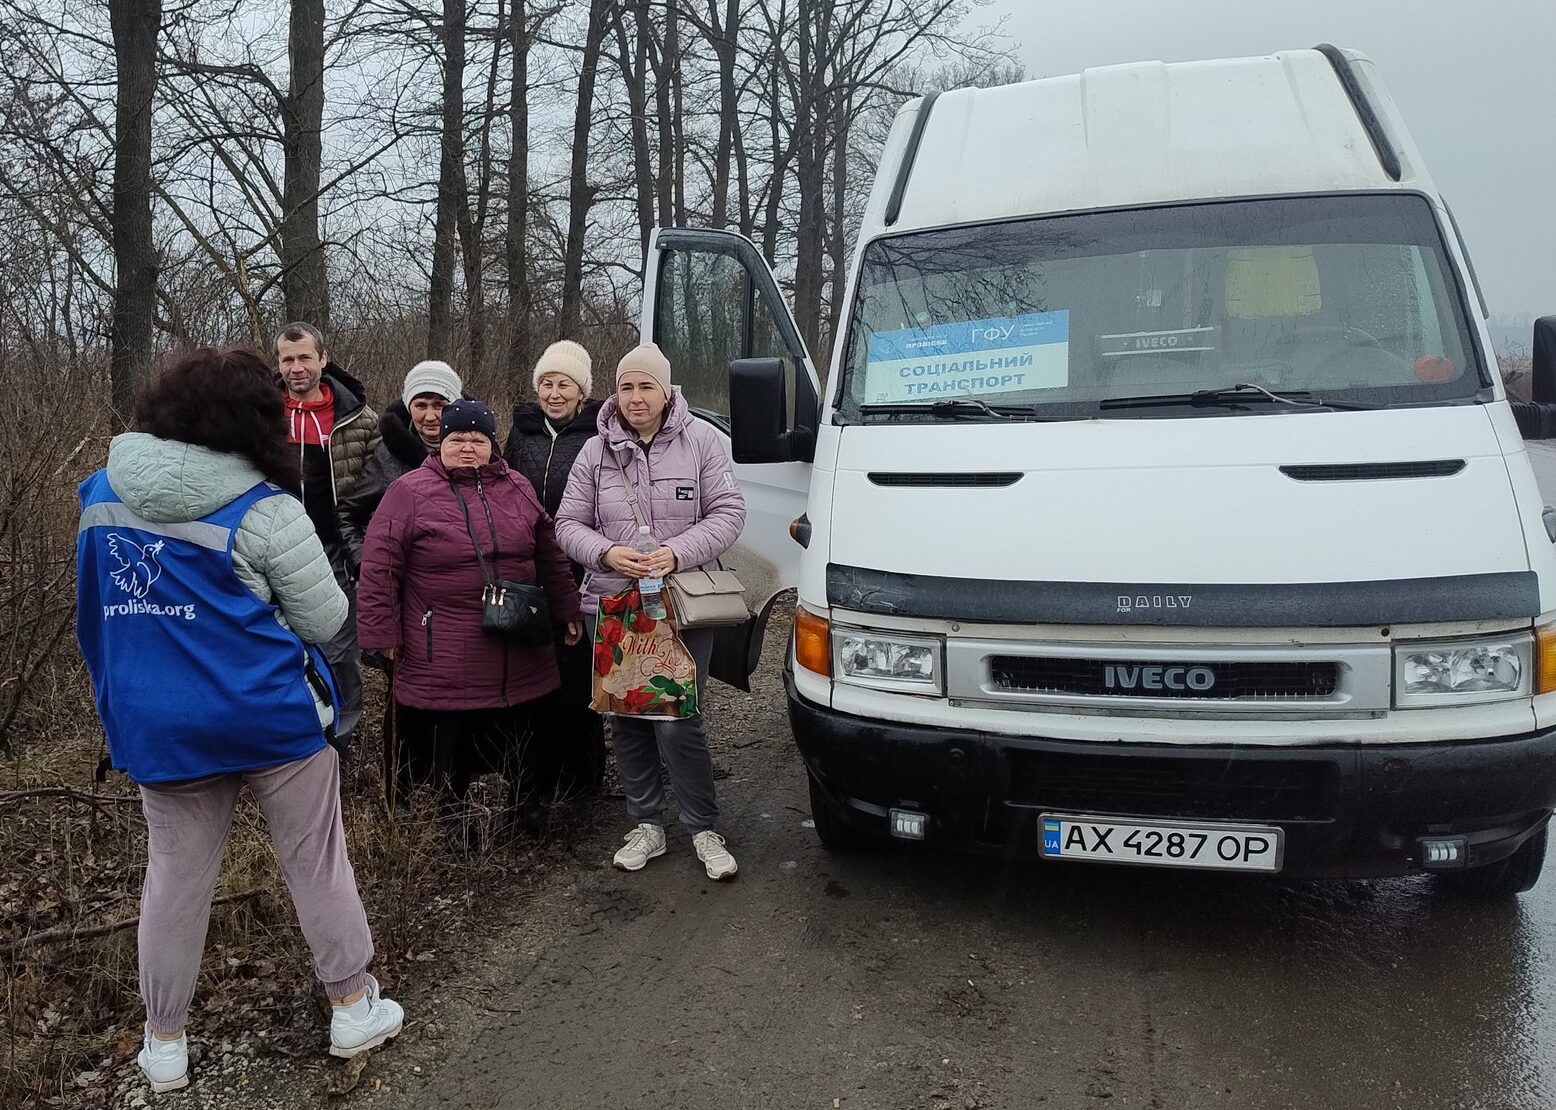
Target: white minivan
1163,504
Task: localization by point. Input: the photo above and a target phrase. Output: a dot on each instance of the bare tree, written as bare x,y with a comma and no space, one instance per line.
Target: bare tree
580,193
519,299
135,24
304,279
452,184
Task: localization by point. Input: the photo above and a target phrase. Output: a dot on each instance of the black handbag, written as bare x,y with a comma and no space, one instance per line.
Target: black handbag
516,610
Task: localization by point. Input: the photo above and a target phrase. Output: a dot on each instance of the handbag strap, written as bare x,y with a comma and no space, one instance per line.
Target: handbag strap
632,501
632,489
486,575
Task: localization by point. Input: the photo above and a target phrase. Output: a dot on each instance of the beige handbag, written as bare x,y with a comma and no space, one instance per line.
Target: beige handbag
697,598
706,599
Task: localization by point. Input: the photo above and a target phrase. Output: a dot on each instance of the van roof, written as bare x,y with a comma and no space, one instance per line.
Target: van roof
1146,133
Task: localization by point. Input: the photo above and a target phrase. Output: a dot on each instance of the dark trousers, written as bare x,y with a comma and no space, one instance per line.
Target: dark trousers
446,748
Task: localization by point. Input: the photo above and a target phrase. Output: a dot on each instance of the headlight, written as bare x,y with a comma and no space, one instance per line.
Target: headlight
1459,672
887,661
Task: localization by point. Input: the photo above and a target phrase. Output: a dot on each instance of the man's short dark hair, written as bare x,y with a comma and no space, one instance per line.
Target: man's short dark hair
298,330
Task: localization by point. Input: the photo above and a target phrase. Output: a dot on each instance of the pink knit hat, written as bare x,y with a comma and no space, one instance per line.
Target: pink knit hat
646,359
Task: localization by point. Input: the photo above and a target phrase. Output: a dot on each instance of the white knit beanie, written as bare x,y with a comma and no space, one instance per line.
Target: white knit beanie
432,376
569,358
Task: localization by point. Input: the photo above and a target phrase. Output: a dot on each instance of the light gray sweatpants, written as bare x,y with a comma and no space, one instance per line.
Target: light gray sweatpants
187,825
680,746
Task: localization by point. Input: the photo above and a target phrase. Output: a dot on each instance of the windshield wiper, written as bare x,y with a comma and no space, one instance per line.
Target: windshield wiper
1233,395
953,408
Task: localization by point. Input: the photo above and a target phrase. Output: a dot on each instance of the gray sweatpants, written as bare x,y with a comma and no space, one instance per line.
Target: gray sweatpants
187,825
681,747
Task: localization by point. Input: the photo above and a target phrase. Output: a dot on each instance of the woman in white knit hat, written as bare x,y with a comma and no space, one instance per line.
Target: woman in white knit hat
409,430
547,435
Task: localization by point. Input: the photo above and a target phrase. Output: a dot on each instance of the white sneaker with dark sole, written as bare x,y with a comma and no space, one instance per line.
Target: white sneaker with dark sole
643,843
366,1023
166,1063
716,859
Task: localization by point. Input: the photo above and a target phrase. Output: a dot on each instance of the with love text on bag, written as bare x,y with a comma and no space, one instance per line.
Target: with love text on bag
641,668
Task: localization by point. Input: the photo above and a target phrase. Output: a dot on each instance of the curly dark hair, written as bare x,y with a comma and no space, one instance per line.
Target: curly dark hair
226,400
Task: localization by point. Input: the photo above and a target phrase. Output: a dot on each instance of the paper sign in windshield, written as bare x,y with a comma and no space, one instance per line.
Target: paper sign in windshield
970,358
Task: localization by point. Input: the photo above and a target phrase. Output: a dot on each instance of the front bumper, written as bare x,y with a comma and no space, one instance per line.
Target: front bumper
1348,811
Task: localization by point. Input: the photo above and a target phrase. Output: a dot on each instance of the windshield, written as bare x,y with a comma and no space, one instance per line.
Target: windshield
1341,297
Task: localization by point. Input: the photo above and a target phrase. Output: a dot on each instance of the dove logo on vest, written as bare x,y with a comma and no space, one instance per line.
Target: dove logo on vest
137,572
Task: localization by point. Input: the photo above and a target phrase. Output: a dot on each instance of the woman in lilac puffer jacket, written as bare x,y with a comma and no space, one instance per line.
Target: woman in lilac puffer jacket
691,502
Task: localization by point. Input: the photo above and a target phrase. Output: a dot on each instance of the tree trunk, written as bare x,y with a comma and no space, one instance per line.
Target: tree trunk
135,24
472,226
811,120
634,74
451,183
673,61
729,105
779,171
519,300
304,282
837,241
664,191
580,195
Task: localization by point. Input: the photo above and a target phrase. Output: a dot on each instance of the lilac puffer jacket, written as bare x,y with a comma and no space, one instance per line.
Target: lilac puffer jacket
686,490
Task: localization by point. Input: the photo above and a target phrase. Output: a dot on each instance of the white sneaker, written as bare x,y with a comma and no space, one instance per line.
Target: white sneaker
715,857
166,1063
644,843
366,1023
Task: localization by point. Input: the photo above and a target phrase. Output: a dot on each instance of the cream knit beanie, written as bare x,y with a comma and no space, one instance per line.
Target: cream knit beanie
646,359
565,357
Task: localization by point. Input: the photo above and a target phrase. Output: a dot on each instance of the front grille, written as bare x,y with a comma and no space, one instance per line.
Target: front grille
1222,788
1144,679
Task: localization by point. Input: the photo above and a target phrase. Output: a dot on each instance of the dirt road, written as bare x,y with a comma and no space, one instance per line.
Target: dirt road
906,978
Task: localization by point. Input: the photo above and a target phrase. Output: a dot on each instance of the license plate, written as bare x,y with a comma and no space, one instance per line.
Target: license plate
1162,843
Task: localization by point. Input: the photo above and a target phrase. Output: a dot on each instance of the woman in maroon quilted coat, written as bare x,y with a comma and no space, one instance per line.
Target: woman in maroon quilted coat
467,699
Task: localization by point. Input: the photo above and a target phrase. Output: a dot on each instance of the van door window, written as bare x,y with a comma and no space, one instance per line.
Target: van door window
708,317
701,325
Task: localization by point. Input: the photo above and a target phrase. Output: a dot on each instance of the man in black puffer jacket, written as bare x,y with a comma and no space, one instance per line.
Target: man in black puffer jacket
546,438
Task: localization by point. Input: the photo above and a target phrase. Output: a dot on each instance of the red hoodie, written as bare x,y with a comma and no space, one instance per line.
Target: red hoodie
311,422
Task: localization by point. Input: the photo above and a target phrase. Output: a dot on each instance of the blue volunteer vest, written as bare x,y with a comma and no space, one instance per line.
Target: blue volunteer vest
193,674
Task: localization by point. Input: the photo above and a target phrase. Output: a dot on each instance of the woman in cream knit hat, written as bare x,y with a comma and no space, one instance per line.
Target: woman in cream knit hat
547,435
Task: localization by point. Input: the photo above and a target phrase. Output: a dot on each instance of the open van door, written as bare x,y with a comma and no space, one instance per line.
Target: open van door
710,300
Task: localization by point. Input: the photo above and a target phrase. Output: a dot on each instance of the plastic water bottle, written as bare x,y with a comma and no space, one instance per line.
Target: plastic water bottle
650,589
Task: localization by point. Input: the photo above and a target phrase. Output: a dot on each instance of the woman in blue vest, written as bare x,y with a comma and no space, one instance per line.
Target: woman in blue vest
202,592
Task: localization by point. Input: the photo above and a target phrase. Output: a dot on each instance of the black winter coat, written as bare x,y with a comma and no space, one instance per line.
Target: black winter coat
401,451
545,461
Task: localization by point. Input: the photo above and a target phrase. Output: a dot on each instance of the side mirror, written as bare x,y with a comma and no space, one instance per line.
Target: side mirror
758,415
1543,367
1537,416
757,410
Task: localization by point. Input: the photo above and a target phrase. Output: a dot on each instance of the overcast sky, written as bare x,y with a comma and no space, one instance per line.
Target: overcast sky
1476,83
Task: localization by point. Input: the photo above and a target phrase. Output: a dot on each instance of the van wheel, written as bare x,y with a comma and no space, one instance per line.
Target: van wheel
1505,878
835,832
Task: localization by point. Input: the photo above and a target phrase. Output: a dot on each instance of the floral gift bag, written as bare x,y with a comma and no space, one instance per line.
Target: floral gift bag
641,668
